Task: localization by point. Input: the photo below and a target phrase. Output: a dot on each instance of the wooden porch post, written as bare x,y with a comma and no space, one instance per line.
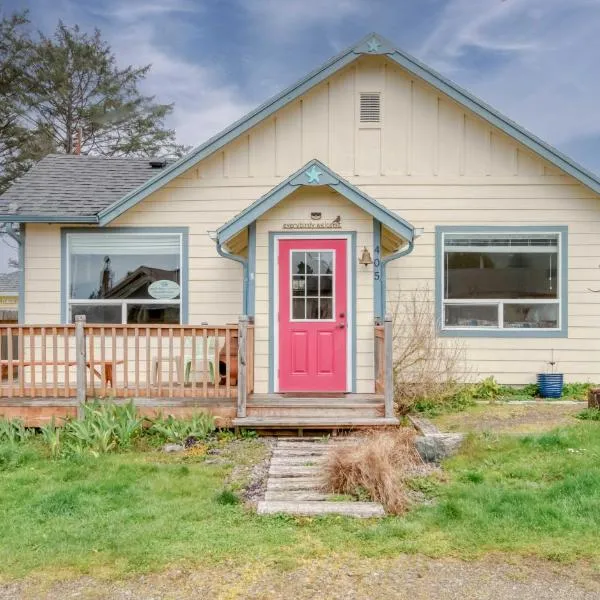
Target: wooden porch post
388,389
80,355
242,366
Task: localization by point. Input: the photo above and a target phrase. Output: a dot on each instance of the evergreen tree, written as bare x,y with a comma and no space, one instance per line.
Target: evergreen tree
76,89
14,48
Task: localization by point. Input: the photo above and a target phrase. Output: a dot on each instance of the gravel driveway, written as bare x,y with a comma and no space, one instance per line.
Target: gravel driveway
413,577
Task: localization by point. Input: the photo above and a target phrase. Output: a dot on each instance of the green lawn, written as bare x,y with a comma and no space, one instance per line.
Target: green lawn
132,512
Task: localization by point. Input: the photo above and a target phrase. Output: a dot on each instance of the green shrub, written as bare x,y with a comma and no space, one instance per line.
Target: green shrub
199,427
227,497
589,414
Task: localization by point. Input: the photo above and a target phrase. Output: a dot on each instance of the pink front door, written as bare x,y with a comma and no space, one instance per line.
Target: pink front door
312,315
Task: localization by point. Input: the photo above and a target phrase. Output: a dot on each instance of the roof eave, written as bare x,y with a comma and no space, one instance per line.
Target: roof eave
331,180
49,219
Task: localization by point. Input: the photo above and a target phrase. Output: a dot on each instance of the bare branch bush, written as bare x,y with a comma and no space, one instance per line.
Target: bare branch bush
426,367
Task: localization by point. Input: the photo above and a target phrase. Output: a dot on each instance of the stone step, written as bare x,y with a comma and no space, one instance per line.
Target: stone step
295,483
307,508
293,471
296,496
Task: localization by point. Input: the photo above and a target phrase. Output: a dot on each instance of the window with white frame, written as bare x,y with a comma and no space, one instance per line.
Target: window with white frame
118,277
501,280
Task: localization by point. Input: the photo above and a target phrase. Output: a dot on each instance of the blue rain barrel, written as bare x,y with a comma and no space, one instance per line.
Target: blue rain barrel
550,385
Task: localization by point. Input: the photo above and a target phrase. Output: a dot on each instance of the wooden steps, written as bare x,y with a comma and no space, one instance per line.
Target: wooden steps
295,483
313,423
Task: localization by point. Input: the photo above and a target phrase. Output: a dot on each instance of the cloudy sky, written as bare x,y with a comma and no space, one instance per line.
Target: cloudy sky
534,60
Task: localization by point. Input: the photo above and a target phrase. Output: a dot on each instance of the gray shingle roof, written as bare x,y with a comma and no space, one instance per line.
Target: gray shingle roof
65,185
9,283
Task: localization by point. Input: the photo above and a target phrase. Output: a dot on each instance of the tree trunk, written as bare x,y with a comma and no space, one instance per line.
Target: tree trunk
594,398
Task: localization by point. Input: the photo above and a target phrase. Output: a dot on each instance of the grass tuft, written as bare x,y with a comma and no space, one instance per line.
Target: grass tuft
227,498
377,466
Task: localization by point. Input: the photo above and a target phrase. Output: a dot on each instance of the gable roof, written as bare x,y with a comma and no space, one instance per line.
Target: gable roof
101,210
9,283
70,188
373,44
315,174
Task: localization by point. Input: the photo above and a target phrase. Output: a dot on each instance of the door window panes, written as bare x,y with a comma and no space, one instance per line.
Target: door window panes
312,296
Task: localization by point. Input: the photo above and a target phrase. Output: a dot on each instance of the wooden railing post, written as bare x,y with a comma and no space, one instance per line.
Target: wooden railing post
388,389
242,366
80,355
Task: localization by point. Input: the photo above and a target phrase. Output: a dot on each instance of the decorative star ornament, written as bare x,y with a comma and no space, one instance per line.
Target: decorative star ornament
313,174
373,45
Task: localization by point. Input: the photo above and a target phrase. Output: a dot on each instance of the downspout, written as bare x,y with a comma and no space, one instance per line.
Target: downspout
389,258
237,258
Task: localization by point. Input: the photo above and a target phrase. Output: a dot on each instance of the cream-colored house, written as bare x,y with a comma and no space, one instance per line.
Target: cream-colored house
370,179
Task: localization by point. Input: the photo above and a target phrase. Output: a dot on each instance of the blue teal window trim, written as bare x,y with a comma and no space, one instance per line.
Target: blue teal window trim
562,332
21,308
378,293
273,235
251,291
184,231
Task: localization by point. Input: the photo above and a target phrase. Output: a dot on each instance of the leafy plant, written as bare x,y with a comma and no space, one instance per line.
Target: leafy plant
51,435
179,431
14,431
589,414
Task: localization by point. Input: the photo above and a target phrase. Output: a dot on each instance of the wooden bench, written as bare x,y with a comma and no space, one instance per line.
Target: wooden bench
103,369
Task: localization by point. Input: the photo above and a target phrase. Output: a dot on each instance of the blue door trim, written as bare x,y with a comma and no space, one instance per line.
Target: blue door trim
273,235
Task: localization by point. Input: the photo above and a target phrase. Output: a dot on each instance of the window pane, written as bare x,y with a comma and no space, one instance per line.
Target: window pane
97,313
153,313
326,263
312,285
531,315
326,285
500,275
121,266
298,263
474,315
326,311
298,308
298,285
312,263
312,308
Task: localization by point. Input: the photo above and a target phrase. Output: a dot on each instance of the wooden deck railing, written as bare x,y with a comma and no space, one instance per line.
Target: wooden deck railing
152,361
384,363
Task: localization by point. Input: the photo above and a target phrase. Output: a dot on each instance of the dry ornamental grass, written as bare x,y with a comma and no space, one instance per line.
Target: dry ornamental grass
378,464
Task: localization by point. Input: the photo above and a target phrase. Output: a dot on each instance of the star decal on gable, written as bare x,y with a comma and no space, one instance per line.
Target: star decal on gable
313,174
373,45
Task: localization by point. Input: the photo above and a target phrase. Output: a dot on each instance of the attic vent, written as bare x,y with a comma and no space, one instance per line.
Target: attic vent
370,107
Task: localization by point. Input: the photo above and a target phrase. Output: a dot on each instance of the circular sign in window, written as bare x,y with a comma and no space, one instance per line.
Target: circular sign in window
164,289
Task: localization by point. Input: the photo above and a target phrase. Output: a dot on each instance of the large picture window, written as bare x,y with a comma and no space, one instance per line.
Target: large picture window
118,277
507,280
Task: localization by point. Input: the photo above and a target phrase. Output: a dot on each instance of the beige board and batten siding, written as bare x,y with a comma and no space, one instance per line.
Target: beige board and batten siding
429,160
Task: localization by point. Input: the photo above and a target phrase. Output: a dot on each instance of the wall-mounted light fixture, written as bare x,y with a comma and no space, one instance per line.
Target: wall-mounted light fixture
365,258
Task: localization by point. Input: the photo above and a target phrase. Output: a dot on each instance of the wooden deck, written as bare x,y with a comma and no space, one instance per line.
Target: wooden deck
263,411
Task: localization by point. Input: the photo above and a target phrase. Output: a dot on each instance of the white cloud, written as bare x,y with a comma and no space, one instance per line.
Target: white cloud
279,18
547,51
